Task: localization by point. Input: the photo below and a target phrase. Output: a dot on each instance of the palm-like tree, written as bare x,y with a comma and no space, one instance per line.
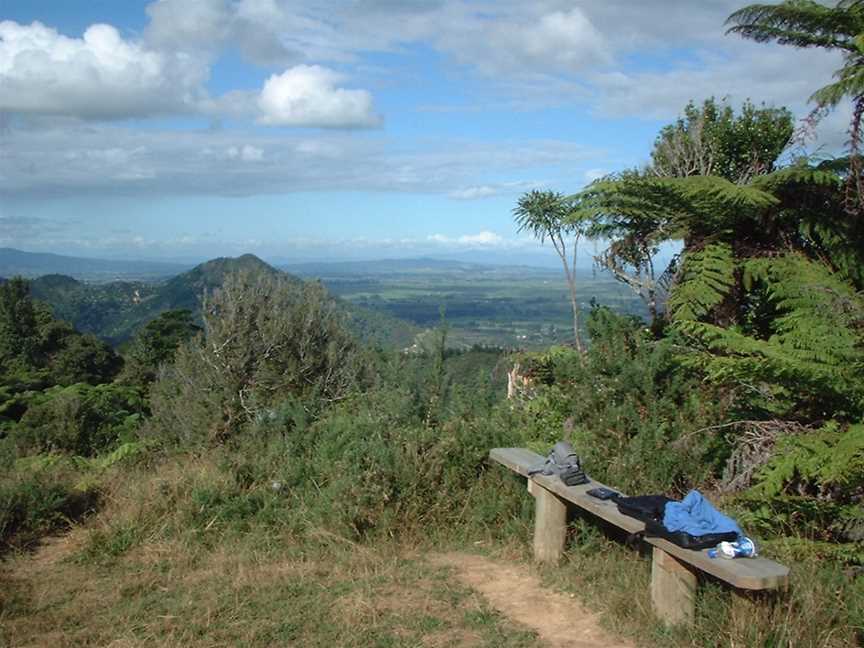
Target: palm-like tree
549,215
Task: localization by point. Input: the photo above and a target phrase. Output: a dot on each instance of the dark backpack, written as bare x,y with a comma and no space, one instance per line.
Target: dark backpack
651,509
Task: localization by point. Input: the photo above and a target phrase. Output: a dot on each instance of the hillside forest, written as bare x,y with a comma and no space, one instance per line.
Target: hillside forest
265,418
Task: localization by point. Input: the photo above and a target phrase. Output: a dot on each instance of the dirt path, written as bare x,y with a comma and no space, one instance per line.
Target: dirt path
559,620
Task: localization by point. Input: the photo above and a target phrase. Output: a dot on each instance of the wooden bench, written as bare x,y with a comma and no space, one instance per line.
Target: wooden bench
674,570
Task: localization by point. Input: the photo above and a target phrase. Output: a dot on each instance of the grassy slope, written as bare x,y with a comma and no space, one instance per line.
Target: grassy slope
151,570
165,564
321,593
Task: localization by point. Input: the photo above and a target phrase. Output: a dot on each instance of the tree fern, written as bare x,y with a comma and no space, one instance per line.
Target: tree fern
801,23
707,277
796,176
829,458
719,196
814,353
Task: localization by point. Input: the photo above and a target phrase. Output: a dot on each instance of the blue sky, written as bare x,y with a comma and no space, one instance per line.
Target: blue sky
188,129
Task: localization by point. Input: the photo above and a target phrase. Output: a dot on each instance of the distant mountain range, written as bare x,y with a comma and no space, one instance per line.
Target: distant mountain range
35,264
116,310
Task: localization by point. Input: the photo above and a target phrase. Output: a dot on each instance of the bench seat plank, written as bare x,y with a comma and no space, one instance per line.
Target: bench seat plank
750,573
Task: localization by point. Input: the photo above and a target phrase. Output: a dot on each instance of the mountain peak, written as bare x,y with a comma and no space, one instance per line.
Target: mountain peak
213,272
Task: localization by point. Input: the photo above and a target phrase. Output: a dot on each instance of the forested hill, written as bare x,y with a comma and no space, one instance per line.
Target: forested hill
115,311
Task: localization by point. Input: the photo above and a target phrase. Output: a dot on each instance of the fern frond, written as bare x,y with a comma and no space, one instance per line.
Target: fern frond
801,23
831,457
707,276
850,84
795,176
816,341
716,193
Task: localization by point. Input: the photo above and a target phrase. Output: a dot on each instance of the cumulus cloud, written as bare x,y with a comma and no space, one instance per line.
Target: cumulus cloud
97,76
484,239
102,76
524,42
306,95
552,52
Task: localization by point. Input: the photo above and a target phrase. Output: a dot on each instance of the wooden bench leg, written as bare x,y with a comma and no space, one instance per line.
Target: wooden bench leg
748,604
550,524
673,589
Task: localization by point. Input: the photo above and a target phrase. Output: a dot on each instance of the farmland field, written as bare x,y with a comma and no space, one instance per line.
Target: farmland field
483,305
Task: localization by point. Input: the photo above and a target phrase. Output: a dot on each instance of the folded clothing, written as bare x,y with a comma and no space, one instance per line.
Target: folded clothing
653,510
695,515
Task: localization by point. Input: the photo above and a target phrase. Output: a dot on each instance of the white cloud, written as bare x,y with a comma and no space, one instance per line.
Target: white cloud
494,37
265,32
306,95
619,57
488,190
525,42
184,25
758,72
97,76
246,153
318,148
484,239
473,193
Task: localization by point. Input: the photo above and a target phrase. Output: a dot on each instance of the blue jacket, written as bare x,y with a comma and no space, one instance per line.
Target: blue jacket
695,515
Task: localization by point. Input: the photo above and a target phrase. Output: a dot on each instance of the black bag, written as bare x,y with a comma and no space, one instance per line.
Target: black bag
573,475
644,507
651,510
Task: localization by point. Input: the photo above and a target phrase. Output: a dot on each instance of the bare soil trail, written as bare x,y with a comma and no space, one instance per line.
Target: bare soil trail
558,619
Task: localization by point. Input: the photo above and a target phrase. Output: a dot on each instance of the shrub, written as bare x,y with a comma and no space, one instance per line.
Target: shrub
373,465
80,419
156,345
267,339
628,406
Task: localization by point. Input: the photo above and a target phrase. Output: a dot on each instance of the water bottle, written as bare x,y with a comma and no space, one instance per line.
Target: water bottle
743,548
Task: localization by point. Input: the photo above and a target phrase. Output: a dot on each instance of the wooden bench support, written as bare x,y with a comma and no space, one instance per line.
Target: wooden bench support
673,589
550,525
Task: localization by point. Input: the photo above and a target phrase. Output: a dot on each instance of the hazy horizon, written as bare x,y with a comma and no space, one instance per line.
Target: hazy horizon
543,259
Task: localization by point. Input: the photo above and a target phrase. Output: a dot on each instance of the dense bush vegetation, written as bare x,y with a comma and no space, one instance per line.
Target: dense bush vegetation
630,407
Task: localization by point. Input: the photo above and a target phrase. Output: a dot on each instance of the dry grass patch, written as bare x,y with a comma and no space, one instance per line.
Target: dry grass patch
314,594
